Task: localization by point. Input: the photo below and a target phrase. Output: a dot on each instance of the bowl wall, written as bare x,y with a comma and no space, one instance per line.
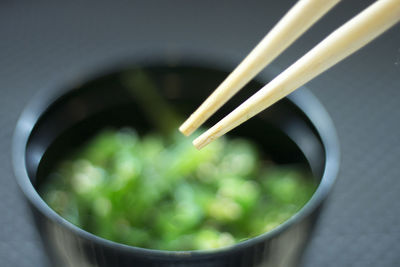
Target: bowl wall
295,130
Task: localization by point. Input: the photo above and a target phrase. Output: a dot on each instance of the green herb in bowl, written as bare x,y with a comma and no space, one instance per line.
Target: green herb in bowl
162,193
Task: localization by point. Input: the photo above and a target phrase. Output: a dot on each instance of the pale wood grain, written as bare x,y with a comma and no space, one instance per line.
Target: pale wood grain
347,39
301,17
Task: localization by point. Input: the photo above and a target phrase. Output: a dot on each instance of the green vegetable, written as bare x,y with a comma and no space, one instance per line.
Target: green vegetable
147,192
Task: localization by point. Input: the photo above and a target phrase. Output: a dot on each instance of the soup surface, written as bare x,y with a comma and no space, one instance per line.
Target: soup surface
162,193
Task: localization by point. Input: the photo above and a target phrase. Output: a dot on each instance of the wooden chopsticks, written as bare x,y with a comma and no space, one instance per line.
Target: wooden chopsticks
347,39
299,18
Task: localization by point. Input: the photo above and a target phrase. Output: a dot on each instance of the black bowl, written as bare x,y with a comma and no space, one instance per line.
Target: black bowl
295,130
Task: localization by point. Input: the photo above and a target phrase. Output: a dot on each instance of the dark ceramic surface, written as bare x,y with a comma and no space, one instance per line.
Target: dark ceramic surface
50,126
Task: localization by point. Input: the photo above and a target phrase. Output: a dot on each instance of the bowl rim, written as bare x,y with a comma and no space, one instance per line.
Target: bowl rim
301,98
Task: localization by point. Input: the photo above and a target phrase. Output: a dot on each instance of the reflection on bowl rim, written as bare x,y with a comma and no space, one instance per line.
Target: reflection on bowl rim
301,98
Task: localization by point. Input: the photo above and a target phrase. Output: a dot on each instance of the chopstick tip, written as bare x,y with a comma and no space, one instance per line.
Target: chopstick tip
186,128
198,144
202,141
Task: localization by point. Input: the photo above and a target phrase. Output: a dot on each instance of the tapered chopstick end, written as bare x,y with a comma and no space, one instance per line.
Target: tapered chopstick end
203,140
186,129
199,143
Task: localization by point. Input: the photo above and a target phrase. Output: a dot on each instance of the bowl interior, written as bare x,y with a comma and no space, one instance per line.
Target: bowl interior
108,101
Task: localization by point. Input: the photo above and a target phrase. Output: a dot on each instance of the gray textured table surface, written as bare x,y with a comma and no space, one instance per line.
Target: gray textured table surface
44,43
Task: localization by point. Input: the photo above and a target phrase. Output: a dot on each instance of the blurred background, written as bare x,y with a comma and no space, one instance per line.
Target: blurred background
46,43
